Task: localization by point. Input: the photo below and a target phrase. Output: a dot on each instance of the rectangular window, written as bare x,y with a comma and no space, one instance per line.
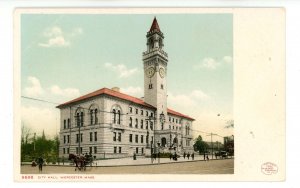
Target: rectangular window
142,150
151,114
76,150
81,137
142,124
68,138
142,112
69,124
115,149
142,138
68,150
136,123
80,150
136,150
147,139
95,149
77,139
146,124
64,150
130,137
64,124
95,136
91,150
119,137
120,149
169,119
137,111
91,136
64,139
146,113
115,136
136,138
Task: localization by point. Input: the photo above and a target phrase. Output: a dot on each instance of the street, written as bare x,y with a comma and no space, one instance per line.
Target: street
189,167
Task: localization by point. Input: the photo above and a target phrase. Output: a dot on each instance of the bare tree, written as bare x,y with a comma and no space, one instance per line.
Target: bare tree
229,124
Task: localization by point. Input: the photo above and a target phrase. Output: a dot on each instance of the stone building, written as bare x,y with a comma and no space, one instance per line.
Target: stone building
109,123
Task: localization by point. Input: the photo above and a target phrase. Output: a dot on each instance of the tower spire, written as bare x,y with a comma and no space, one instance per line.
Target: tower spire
154,25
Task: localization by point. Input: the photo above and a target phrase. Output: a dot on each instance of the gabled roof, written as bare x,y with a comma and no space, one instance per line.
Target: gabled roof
154,25
119,95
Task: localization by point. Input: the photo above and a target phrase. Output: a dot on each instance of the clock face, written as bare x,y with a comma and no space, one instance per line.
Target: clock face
162,72
150,72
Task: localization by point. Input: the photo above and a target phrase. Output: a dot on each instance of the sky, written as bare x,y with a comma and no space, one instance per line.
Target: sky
66,56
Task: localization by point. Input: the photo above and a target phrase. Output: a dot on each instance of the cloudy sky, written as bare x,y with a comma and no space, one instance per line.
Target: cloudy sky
66,56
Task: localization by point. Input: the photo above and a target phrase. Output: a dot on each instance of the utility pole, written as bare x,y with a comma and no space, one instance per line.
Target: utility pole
211,143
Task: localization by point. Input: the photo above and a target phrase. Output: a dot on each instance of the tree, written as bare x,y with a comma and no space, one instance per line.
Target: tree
200,145
229,124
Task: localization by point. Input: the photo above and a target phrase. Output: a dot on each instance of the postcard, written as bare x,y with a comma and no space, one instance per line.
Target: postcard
140,94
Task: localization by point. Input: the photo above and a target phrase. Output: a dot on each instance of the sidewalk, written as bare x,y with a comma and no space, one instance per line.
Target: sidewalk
143,161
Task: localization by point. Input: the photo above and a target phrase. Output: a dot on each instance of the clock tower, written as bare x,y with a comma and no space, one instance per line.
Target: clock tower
155,72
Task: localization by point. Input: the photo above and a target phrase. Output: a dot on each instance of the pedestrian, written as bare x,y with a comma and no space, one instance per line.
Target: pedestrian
193,156
134,156
184,155
170,156
207,158
188,156
204,157
40,163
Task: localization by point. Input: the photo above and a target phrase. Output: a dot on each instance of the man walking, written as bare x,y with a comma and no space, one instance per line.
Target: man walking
40,162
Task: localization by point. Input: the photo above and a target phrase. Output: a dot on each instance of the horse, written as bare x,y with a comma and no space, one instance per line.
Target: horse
79,161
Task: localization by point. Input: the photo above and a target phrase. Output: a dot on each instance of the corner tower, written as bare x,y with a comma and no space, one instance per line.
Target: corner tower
155,70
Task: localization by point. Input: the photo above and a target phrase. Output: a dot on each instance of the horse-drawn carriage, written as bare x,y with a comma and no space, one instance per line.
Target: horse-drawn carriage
81,162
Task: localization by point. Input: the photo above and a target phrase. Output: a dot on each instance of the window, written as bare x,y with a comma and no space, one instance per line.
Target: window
76,150
91,136
81,119
90,150
68,138
115,136
142,112
69,123
130,137
91,116
136,138
169,119
173,119
64,151
95,136
65,124
68,150
130,122
142,150
96,116
176,120
119,137
114,116
115,149
95,149
120,149
77,138
80,150
81,136
136,111
151,125
142,138
136,123
151,114
161,86
147,139
142,124
119,117
64,139
78,120
146,124
150,86
146,113
136,150
130,109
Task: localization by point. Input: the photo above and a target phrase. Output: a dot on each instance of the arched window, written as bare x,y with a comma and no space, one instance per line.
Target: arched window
114,116
77,119
91,117
119,117
96,115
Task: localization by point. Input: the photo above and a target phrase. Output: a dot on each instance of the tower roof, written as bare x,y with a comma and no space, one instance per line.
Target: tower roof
154,25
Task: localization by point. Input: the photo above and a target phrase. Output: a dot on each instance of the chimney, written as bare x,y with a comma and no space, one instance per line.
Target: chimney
117,89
